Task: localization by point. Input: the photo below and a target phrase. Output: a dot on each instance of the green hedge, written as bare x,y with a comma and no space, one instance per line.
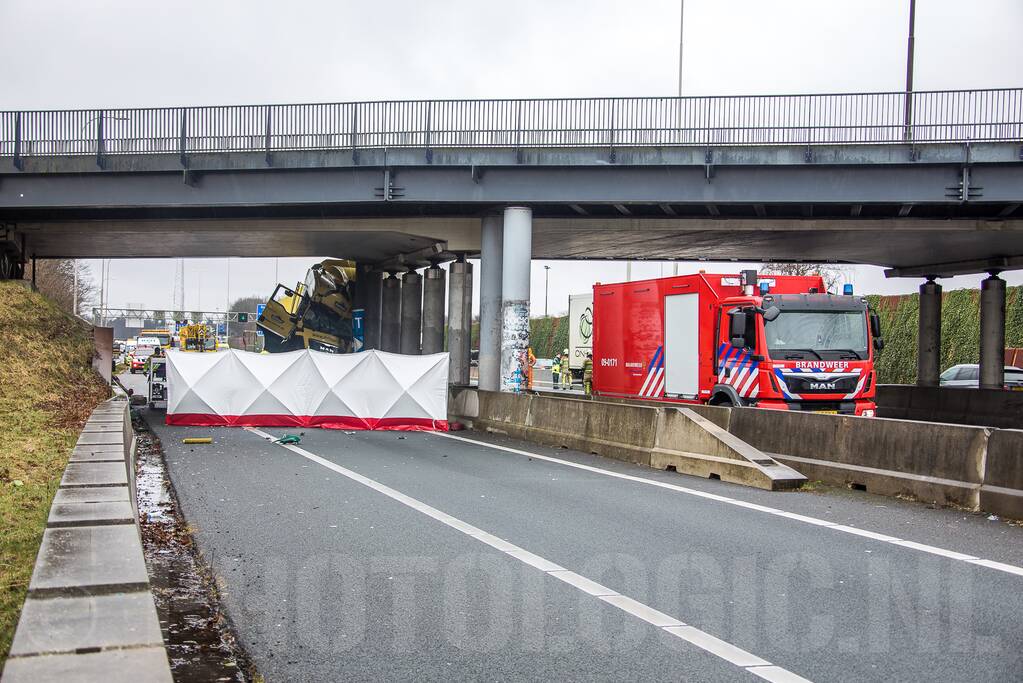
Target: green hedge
547,336
960,330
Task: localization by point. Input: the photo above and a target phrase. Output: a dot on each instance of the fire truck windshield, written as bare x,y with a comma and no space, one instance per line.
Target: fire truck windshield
817,335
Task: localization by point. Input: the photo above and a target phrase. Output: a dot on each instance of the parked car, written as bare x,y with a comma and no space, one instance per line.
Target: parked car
967,375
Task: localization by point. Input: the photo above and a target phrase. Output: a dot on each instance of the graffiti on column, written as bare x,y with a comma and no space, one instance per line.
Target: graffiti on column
514,346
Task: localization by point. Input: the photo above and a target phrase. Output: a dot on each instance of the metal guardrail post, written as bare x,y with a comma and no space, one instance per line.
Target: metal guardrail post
17,142
518,131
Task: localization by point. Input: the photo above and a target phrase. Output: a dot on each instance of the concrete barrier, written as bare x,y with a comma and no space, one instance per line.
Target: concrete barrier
937,463
1002,492
89,614
653,435
978,468
978,407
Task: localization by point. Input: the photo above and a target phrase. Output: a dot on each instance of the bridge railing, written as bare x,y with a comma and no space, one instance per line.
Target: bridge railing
856,118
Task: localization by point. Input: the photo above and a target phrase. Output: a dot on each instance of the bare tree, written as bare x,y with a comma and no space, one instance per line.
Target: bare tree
55,278
834,275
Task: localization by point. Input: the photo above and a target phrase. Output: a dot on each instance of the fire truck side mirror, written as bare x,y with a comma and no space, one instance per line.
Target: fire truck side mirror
772,313
878,343
737,328
875,325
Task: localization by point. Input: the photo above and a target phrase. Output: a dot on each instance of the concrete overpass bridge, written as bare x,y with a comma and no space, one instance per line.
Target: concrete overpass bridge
928,184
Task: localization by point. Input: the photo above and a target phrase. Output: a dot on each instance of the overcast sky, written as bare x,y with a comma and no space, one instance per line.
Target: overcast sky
109,53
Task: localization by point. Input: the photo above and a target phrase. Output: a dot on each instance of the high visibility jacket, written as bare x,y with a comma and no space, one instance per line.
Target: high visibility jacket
587,370
556,366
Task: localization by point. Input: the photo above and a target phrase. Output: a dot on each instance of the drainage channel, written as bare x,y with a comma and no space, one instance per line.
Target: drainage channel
201,644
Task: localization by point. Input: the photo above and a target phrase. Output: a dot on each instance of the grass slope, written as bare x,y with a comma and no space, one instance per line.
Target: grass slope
47,390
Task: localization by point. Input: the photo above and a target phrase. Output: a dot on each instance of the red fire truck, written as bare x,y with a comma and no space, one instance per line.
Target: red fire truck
778,342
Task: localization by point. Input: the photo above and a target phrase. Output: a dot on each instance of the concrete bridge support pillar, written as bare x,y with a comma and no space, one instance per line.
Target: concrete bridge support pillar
928,360
992,333
517,256
433,310
491,265
411,312
371,284
390,315
459,321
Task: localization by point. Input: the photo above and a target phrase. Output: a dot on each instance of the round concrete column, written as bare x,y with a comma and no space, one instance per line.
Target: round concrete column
433,310
390,315
491,265
371,283
992,333
411,312
459,321
517,255
928,360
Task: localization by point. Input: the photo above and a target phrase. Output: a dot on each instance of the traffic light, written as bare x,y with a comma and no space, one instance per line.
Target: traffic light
243,317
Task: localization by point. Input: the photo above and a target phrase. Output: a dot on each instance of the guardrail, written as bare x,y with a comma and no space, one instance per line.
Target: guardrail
851,118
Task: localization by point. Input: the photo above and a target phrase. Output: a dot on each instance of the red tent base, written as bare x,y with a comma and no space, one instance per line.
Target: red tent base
399,424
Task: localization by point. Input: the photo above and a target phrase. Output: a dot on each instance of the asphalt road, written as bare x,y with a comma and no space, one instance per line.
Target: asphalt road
385,555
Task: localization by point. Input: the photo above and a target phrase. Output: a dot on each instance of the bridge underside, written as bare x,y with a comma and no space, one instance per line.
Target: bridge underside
894,242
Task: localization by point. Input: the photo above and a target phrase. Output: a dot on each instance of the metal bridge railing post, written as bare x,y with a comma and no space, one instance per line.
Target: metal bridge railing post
99,139
183,140
17,142
269,132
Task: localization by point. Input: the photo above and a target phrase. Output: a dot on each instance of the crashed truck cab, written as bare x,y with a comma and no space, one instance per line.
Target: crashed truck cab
805,352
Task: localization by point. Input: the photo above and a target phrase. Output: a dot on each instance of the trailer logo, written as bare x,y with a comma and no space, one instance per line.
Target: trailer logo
823,385
586,324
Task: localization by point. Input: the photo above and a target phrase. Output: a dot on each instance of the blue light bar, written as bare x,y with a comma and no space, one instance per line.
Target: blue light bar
764,288
847,290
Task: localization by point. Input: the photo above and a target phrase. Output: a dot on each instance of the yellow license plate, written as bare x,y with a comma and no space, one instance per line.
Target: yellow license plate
827,412
1016,388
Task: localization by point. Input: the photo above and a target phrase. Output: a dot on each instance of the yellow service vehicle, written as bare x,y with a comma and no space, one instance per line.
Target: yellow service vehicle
197,337
315,314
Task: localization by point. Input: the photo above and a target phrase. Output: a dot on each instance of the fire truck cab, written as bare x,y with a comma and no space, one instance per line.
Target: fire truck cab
779,342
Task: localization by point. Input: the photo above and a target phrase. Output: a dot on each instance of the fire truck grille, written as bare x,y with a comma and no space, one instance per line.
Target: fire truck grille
809,385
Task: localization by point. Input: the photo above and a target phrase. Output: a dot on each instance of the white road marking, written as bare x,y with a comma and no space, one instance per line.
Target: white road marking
706,642
883,538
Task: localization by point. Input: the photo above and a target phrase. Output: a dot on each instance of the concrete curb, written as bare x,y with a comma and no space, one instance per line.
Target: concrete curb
89,614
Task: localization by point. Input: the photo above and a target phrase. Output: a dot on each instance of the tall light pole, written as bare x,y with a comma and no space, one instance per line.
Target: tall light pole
681,24
546,284
908,108
681,33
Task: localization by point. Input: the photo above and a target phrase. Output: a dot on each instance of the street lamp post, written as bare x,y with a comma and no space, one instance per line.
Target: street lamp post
908,107
546,283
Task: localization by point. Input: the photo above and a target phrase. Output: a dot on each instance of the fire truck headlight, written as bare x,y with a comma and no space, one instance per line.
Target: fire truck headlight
868,413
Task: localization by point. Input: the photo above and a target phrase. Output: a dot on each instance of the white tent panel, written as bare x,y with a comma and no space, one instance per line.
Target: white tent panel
367,390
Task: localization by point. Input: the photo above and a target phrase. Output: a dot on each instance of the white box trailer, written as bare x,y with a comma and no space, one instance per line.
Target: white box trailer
580,330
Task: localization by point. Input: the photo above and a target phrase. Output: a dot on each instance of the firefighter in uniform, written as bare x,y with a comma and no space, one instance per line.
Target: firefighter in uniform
566,372
588,374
